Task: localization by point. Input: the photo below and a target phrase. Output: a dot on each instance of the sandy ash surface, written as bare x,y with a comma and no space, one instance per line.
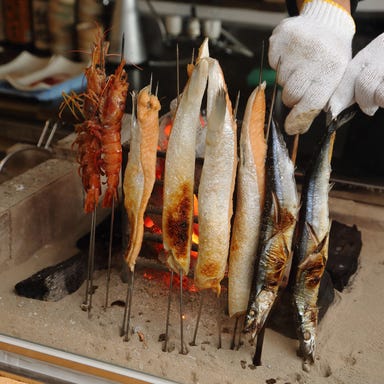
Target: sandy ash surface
350,340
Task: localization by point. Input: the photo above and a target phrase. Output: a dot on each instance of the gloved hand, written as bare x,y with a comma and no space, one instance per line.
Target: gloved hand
314,49
363,81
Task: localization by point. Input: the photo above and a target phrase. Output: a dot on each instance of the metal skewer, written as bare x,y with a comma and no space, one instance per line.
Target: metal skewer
193,342
181,313
233,341
128,306
109,254
168,312
219,321
237,329
87,303
183,350
295,147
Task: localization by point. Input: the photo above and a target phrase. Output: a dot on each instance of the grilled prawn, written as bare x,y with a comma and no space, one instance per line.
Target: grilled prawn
111,113
89,131
278,224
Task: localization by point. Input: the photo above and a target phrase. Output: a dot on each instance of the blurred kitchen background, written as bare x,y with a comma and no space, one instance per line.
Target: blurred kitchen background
152,30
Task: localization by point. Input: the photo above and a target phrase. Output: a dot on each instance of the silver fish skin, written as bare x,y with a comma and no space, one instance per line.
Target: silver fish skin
278,225
311,250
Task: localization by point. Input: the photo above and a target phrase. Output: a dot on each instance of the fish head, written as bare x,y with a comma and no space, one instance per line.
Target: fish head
258,312
308,345
250,323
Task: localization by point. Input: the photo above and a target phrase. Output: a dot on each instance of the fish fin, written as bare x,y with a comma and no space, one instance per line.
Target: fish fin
312,233
308,261
276,213
276,207
320,243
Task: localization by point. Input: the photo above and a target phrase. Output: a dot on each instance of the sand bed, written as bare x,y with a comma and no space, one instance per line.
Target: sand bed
350,340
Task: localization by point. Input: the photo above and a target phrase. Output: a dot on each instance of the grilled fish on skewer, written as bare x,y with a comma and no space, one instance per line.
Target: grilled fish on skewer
179,172
278,224
311,250
140,172
216,183
250,182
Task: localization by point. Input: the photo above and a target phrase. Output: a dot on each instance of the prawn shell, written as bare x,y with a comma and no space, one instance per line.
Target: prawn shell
112,111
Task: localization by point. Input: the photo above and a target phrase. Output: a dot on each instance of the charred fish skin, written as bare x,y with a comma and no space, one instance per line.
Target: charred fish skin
308,278
311,250
179,173
277,230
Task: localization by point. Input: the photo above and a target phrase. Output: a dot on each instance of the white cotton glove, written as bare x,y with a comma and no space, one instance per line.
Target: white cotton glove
314,49
363,81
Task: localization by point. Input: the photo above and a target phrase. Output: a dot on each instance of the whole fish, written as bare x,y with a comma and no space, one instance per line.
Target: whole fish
278,225
311,249
140,172
179,172
250,184
215,195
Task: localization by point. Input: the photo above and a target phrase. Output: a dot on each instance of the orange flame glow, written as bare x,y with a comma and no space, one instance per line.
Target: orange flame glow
168,129
165,277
